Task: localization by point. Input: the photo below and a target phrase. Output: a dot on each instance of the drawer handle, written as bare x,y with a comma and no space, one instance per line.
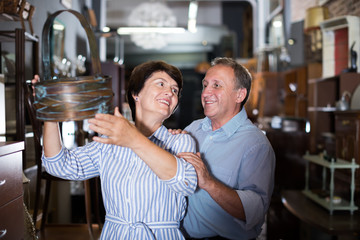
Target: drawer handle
345,122
2,182
2,233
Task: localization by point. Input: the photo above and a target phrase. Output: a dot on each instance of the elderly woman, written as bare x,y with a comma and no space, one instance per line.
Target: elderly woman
144,183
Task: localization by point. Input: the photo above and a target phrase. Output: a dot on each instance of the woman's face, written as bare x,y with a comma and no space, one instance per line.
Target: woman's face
158,96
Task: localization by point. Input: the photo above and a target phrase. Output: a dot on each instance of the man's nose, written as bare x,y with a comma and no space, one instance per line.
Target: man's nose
206,90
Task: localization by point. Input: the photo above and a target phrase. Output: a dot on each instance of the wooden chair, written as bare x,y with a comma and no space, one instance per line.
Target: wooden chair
43,175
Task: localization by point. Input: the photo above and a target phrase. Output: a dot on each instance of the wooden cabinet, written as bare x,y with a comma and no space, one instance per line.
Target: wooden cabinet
11,191
347,133
295,86
323,93
336,132
322,97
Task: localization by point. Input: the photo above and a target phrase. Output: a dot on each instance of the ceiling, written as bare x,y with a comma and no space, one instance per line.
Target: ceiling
209,12
210,32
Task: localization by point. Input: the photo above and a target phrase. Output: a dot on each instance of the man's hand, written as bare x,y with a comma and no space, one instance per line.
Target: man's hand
117,128
226,197
177,131
204,177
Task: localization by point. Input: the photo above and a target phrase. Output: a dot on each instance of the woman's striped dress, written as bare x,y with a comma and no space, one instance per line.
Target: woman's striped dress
138,204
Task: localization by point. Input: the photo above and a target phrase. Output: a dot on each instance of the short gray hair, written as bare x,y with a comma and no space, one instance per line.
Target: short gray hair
242,75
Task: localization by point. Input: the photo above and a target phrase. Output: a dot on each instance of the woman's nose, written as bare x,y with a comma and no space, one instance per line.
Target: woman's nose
169,92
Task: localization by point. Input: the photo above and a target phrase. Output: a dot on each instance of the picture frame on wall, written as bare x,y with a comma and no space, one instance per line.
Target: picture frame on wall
66,3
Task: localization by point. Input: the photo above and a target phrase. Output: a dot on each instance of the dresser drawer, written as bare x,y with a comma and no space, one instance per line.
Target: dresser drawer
12,220
10,177
346,125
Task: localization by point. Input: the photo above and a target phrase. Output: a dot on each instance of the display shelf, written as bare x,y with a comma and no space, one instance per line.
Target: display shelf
18,38
326,79
321,109
332,165
343,205
10,36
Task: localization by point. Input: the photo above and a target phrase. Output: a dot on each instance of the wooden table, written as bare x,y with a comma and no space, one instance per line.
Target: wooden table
340,223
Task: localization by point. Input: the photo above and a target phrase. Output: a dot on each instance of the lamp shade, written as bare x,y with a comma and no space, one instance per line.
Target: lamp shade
314,16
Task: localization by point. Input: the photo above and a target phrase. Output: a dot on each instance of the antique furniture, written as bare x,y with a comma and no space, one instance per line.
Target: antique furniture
347,135
18,38
332,164
314,215
11,190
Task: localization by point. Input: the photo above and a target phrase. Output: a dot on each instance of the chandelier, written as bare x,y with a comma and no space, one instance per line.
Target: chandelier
153,15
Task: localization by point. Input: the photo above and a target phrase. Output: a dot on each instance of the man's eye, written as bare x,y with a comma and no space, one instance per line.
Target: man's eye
161,84
216,85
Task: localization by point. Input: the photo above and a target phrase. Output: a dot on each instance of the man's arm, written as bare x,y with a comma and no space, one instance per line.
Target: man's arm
226,197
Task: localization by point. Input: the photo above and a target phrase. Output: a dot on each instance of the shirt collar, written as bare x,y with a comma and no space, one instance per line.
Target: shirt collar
160,133
228,128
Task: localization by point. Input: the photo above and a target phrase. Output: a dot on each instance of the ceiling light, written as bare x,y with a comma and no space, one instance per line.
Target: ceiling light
164,30
106,29
277,24
58,26
153,18
193,9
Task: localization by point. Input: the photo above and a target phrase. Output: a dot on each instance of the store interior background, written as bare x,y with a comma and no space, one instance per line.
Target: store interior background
240,29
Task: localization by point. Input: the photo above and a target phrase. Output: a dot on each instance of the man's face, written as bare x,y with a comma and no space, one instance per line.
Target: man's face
220,100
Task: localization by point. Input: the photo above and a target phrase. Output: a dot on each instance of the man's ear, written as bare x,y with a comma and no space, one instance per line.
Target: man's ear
241,94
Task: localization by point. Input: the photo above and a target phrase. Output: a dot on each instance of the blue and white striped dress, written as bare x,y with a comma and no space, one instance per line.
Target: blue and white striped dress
138,204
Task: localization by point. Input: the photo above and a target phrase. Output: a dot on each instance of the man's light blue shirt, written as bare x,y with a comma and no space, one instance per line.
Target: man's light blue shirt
240,156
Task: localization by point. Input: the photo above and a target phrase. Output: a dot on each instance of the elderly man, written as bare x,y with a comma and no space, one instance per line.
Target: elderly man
235,162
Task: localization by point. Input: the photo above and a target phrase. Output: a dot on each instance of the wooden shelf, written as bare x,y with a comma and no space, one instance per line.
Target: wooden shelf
332,164
18,37
9,17
319,80
343,205
321,109
10,36
335,164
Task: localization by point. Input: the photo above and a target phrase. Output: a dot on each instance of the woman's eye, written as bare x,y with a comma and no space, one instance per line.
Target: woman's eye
174,90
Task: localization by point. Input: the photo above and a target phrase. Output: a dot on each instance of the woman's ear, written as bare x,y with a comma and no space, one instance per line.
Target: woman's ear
135,97
241,94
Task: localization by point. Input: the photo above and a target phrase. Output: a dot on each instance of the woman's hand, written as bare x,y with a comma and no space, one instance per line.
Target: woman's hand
116,127
34,81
